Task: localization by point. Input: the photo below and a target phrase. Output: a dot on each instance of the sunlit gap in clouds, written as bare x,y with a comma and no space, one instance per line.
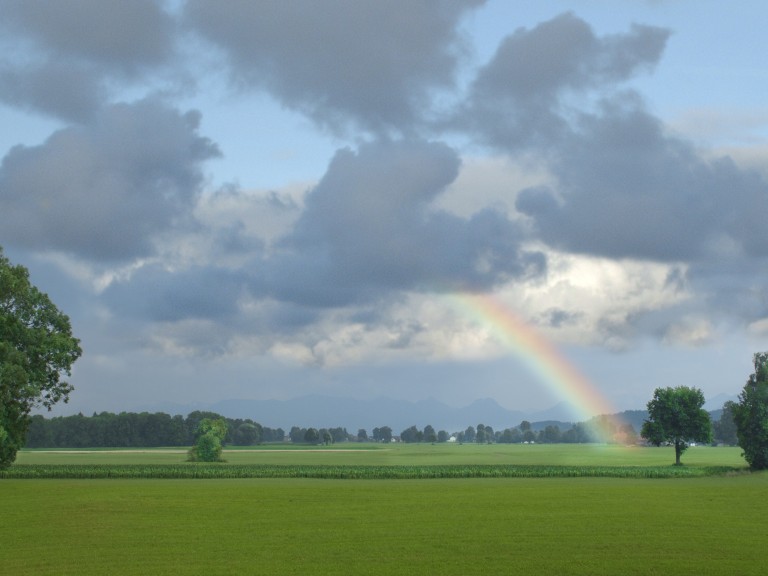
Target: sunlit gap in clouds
539,355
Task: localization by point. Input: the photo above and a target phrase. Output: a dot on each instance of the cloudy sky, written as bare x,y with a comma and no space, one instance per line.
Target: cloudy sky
258,200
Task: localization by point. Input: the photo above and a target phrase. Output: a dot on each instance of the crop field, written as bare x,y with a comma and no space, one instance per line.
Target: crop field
705,524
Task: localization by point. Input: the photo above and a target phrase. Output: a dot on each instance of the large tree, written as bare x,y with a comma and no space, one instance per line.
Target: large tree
751,415
676,416
36,349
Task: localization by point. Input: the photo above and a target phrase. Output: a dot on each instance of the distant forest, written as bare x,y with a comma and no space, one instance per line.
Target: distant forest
144,429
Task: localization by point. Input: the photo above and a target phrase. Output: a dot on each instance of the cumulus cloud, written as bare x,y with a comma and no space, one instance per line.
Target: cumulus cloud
64,90
520,99
374,64
568,166
370,226
626,188
104,190
62,57
366,236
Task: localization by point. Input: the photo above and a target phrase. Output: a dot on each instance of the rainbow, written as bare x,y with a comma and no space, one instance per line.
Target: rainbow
537,353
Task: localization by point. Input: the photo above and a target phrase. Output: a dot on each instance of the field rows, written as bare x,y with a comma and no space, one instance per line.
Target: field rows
401,472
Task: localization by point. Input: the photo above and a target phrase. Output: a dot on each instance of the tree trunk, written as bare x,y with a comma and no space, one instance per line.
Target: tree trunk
678,452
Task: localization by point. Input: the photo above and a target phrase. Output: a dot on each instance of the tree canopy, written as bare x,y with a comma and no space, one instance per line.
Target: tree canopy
36,349
676,416
751,415
211,433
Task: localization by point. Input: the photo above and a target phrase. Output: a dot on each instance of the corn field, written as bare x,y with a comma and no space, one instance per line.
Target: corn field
223,470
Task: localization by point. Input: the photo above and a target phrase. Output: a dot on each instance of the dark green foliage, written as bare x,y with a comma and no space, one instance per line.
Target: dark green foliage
751,415
36,348
312,436
182,471
725,430
211,433
383,434
412,434
676,416
138,430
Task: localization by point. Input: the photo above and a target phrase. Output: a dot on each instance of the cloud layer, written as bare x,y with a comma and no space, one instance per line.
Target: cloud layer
350,263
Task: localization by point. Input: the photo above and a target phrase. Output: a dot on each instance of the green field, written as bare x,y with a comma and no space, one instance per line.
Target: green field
708,525
407,454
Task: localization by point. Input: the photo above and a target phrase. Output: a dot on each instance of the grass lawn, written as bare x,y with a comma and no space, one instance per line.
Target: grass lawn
712,525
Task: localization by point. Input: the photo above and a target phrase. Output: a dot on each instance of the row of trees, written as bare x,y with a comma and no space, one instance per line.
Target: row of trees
325,436
144,429
130,429
582,432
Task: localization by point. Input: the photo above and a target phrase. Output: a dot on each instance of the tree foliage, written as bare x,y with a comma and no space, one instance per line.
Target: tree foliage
676,416
211,433
725,429
36,349
751,415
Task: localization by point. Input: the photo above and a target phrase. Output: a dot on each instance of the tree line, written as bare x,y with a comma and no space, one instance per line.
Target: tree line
145,429
137,430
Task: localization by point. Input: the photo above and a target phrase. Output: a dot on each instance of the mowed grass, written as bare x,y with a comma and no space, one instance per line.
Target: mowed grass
712,525
708,525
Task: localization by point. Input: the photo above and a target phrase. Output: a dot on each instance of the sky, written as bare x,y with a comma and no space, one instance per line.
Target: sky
265,200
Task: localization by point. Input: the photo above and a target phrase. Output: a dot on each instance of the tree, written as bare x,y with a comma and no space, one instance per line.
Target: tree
725,428
676,416
412,434
385,434
550,434
480,436
36,349
210,436
247,434
296,434
312,436
751,415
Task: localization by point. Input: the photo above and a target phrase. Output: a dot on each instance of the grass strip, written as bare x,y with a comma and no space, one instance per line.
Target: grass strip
224,471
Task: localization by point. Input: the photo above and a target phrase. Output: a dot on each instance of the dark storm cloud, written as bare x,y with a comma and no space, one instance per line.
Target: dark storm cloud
628,189
63,90
369,226
199,292
624,187
60,57
519,99
105,189
114,34
368,233
372,62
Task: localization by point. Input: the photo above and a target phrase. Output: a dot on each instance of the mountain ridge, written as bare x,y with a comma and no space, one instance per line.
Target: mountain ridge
322,411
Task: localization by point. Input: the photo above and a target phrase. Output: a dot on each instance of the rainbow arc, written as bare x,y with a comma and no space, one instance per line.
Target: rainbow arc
540,356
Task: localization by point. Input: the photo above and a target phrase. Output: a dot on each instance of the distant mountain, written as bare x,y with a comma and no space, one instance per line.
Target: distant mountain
321,411
562,411
327,411
716,402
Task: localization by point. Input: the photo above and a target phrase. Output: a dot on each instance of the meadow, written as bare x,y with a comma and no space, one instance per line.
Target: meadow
709,524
